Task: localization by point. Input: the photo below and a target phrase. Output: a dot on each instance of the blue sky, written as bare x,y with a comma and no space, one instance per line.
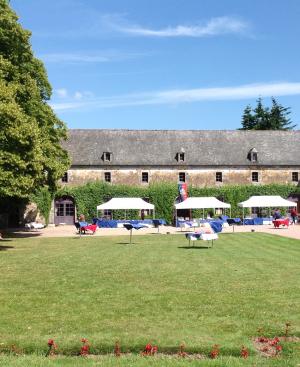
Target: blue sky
165,64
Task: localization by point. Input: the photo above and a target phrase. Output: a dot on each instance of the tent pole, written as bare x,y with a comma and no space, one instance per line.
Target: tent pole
153,213
202,213
243,215
175,217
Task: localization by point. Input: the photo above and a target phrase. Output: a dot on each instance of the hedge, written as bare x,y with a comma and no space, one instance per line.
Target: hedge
163,195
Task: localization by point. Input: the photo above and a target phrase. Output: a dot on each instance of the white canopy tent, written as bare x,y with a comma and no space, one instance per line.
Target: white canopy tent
126,203
201,203
268,201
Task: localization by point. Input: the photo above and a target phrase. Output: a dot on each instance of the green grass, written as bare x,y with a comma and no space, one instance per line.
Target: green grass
155,290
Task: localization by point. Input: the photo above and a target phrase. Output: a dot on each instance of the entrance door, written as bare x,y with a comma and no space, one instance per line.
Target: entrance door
64,210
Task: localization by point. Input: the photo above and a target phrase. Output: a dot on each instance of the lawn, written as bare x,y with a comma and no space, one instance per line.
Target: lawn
155,290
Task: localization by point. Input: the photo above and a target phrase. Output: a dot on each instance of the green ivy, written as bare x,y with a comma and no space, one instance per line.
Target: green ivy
163,195
43,199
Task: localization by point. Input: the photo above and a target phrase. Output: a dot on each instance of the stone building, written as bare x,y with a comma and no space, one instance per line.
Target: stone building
198,157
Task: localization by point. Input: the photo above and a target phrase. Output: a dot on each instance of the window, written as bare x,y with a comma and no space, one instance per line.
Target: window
65,177
253,155
295,176
107,214
145,212
107,177
254,176
219,177
70,210
107,156
181,176
59,210
180,155
145,177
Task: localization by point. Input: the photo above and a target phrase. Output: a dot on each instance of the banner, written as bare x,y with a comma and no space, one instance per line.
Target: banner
183,192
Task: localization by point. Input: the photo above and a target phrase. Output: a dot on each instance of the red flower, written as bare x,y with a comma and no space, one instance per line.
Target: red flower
262,339
278,348
50,343
84,350
214,352
244,352
148,348
117,349
84,340
52,346
154,349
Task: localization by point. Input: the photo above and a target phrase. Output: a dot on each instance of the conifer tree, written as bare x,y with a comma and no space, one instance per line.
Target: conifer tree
264,118
279,117
248,121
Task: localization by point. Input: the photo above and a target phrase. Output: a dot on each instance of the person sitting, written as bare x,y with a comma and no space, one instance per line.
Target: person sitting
277,214
81,218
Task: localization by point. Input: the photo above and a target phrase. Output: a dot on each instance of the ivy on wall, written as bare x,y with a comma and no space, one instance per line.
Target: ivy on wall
163,195
43,199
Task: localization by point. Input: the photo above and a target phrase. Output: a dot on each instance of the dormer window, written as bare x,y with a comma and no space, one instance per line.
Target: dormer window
253,155
107,156
180,156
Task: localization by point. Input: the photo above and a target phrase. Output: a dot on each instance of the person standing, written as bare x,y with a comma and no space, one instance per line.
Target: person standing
294,215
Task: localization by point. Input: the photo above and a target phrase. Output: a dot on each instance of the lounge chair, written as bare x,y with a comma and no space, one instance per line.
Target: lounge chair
88,227
34,225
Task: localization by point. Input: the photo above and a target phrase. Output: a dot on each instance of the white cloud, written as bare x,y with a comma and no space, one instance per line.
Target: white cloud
78,95
61,93
84,57
213,27
70,99
179,96
73,58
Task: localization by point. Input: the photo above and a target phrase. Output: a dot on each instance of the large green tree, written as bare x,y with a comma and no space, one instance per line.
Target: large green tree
264,118
31,155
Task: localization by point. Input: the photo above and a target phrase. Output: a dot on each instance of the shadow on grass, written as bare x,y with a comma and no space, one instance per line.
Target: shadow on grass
126,243
17,234
5,248
195,247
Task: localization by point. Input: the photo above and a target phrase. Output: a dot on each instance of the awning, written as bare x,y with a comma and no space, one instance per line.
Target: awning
201,203
266,201
125,203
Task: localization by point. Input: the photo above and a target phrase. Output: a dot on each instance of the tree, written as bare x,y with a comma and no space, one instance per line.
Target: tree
278,117
248,120
264,118
31,155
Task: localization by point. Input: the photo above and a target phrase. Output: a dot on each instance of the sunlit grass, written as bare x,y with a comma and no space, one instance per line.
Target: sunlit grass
155,290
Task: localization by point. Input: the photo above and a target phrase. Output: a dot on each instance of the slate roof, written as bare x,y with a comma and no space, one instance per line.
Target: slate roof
201,147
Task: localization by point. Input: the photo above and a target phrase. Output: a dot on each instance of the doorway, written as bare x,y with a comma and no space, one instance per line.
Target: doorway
64,210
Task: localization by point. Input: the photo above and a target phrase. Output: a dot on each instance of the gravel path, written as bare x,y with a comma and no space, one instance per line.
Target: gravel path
70,231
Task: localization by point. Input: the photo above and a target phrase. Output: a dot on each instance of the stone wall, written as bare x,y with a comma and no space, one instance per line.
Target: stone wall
194,176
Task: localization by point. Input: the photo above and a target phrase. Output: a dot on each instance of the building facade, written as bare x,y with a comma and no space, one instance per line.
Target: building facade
200,158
